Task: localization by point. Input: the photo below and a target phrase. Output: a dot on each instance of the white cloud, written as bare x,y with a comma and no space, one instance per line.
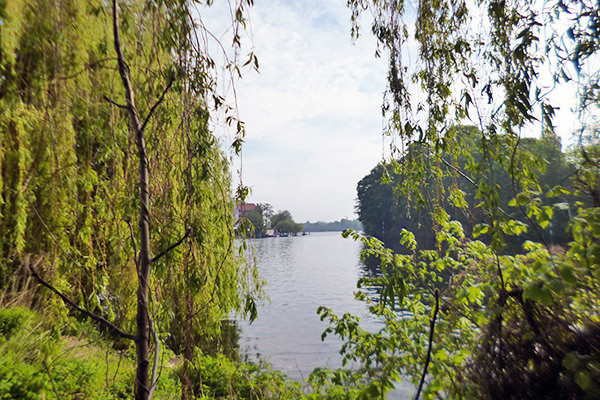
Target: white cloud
312,115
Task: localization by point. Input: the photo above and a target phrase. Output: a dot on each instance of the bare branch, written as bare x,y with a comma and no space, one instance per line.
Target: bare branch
454,168
135,252
458,171
124,73
188,231
114,103
114,329
154,378
431,330
160,100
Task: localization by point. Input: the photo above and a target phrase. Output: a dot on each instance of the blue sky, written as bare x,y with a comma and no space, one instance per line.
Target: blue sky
313,113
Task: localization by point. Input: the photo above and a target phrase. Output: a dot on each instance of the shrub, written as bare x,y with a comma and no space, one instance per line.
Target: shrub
11,319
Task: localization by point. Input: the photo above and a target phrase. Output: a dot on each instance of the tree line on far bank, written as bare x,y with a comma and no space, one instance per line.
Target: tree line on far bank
335,226
259,220
384,210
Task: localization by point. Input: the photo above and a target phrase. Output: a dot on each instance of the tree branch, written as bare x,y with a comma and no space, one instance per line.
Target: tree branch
142,384
431,330
124,73
160,100
454,168
154,378
188,231
114,103
135,252
113,328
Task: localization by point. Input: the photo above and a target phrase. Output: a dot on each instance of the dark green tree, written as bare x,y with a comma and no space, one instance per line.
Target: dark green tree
257,220
385,210
280,216
377,207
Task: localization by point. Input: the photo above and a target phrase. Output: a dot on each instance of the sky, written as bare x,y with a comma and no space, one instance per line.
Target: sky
313,112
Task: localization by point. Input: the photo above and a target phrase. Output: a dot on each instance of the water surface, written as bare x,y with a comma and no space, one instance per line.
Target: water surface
303,273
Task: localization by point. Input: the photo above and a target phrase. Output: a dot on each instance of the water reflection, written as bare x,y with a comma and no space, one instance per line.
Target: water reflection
303,273
227,343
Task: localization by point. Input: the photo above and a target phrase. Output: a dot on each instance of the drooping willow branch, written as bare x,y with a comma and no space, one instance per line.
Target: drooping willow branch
154,377
431,331
135,252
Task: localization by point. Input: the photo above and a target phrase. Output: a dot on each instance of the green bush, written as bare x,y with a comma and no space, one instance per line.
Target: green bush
45,359
21,381
12,319
218,378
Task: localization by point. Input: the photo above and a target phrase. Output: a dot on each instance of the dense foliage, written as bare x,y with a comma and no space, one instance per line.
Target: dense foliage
385,211
465,319
42,359
69,359
69,175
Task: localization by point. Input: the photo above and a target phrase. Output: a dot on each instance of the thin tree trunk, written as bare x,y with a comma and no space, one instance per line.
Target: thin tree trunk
142,382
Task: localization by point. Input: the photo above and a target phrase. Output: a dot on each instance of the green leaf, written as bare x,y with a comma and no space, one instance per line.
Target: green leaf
522,199
441,355
567,273
537,293
557,191
480,229
473,293
570,362
583,379
513,227
543,220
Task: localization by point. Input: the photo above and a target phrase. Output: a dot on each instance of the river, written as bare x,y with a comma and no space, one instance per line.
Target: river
303,273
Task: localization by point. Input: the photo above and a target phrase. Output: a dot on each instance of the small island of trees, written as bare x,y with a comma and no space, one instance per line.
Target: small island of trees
259,220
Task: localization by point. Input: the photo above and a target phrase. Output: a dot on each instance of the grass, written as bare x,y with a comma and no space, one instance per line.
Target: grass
46,358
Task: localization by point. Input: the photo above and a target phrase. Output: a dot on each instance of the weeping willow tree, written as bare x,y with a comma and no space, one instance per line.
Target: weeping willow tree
115,195
468,319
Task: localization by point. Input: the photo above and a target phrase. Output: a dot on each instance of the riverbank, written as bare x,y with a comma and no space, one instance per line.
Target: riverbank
45,357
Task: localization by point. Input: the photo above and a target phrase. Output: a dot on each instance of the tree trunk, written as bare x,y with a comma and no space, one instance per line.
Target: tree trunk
143,260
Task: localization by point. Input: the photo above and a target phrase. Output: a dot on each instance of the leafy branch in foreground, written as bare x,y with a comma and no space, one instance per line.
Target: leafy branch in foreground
513,323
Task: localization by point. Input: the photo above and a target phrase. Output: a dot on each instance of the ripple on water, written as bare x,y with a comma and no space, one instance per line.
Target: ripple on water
303,273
